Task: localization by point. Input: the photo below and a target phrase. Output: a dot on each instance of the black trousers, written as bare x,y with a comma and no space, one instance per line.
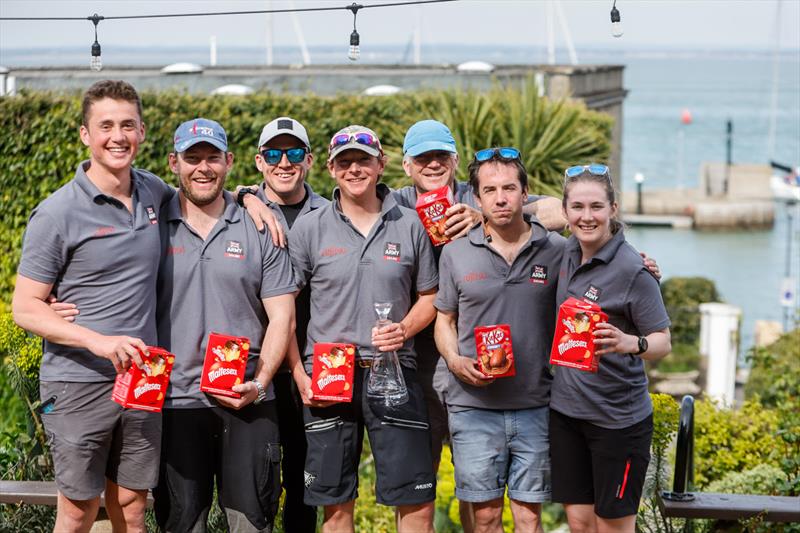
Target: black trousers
297,516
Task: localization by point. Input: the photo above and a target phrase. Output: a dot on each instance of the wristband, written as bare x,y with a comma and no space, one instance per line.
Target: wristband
241,194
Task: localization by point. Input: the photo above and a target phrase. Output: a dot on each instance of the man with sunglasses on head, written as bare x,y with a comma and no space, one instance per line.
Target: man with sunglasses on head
503,272
284,158
430,159
360,249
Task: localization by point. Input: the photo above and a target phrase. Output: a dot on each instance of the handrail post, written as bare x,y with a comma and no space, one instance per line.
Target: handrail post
684,455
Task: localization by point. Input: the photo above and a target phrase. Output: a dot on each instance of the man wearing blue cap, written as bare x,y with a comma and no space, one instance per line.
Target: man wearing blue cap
218,273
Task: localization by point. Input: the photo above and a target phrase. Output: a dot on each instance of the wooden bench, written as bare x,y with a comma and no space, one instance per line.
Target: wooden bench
39,493
733,507
680,503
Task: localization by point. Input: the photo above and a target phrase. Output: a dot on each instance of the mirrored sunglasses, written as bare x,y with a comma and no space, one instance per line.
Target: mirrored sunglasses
273,156
505,153
367,139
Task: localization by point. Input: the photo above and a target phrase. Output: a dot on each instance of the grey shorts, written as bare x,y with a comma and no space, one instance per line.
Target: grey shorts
93,438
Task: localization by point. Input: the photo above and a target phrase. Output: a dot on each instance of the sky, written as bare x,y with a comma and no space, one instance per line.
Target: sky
682,24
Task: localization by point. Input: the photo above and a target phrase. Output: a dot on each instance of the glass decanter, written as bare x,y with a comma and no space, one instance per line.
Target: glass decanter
386,381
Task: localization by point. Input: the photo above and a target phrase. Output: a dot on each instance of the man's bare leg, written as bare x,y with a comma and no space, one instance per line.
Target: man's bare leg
125,508
339,518
75,516
527,516
416,518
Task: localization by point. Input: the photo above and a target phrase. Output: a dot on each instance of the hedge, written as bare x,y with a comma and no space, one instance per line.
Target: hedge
40,147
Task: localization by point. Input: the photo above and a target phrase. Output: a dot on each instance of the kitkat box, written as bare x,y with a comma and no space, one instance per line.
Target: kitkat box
573,344
145,388
494,350
431,208
225,364
332,373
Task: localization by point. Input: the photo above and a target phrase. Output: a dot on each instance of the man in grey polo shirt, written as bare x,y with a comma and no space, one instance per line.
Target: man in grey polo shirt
502,273
430,159
360,249
95,242
218,273
284,158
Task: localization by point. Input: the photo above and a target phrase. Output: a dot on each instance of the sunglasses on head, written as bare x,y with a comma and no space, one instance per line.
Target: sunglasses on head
594,169
367,139
505,153
273,156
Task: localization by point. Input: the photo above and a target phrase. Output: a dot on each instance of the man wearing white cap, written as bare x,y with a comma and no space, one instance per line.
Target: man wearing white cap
284,158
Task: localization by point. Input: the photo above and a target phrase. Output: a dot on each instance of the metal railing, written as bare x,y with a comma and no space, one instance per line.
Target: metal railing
683,481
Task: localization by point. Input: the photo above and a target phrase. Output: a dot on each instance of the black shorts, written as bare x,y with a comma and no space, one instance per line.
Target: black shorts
595,465
238,448
400,442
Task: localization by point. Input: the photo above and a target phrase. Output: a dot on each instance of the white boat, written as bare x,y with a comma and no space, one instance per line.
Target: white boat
785,183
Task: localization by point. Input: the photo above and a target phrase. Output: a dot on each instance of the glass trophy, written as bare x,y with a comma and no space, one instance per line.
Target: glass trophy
386,383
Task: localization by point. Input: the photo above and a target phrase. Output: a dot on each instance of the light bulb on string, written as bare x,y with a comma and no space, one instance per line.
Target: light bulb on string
354,52
96,62
616,21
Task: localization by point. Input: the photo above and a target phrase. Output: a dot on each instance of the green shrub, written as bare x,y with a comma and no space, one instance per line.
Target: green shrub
681,298
761,479
728,440
41,149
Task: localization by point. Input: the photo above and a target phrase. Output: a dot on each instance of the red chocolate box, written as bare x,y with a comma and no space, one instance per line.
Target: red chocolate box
332,373
225,364
431,208
573,344
145,388
494,350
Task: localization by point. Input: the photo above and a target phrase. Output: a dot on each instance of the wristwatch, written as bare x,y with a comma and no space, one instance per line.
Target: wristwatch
241,194
642,346
262,393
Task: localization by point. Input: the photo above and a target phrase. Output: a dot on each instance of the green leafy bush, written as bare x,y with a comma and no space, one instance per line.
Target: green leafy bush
681,298
41,149
734,440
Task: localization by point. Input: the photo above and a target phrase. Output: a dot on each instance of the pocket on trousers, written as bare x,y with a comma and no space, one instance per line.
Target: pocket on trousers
270,481
325,437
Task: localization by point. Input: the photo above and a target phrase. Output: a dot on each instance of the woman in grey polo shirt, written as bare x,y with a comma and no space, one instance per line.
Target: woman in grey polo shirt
601,423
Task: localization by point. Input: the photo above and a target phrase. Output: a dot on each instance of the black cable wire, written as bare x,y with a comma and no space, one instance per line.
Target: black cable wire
220,13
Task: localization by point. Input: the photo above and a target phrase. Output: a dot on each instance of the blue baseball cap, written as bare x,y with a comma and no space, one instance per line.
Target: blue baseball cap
200,130
427,136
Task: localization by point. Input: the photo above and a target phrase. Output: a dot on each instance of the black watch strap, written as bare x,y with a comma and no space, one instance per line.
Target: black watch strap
642,345
241,194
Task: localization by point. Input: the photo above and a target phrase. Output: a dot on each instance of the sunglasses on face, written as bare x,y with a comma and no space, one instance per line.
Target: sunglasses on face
273,156
367,139
594,169
505,153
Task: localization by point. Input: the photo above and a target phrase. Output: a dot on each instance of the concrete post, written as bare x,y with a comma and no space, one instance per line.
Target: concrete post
719,346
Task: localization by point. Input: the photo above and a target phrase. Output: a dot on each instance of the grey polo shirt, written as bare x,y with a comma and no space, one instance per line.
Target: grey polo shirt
302,303
477,283
348,272
214,285
101,257
617,280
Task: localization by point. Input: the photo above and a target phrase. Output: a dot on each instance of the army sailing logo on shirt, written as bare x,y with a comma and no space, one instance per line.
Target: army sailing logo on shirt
151,214
392,251
234,249
592,293
539,274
